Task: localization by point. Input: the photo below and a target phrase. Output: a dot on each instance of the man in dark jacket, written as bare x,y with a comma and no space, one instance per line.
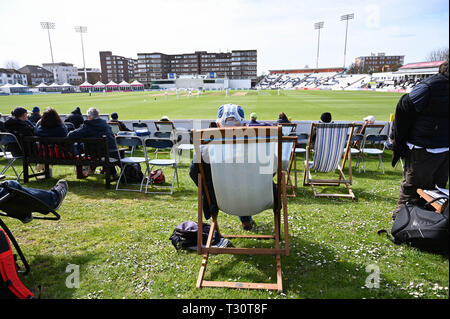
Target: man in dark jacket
96,127
420,134
75,118
18,125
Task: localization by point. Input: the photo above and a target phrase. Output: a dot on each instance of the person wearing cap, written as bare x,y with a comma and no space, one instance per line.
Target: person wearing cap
75,118
18,125
368,120
253,120
115,120
165,119
35,116
228,115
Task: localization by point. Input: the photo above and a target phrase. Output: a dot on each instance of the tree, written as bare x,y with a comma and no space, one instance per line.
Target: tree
11,64
438,55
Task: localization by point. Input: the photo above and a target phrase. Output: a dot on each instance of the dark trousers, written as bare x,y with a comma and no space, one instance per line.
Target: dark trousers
422,170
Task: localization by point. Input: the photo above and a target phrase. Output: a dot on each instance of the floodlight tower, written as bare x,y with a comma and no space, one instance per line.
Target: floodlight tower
48,26
82,30
318,26
346,17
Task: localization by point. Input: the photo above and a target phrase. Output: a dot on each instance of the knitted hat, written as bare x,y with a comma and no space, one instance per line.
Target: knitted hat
35,109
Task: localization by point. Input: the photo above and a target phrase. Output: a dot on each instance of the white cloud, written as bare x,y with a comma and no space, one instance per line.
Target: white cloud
282,31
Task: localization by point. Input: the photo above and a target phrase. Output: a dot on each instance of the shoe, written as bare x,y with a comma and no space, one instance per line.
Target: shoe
60,189
2,177
26,219
248,225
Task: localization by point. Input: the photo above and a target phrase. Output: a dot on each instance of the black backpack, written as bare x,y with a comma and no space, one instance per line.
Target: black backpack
421,228
133,173
185,235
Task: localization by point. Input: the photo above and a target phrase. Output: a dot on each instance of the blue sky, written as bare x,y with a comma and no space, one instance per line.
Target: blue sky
282,31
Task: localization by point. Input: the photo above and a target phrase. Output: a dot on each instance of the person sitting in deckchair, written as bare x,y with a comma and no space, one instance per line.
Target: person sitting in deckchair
228,115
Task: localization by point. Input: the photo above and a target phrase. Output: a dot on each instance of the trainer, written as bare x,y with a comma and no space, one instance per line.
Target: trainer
420,134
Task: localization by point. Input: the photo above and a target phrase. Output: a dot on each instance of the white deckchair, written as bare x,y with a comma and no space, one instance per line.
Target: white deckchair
243,161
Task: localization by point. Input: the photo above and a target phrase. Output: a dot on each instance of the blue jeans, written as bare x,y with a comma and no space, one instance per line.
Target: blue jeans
48,197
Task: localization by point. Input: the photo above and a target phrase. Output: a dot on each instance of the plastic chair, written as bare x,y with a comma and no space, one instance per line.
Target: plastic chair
10,140
375,139
130,141
159,144
356,151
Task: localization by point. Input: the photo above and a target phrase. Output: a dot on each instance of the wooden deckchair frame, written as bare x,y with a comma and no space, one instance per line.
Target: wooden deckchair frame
269,133
308,180
293,140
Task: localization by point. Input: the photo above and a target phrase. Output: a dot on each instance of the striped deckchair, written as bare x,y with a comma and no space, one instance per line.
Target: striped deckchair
288,129
331,151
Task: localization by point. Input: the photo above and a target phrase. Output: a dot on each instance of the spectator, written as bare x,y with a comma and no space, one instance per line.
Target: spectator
52,198
253,120
326,117
420,135
164,119
51,125
35,116
93,127
368,120
228,115
17,124
75,118
115,120
282,118
96,127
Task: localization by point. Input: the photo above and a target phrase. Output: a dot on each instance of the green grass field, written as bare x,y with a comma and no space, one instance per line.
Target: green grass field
298,105
120,240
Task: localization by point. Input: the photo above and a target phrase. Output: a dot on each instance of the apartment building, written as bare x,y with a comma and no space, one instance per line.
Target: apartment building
239,64
37,75
116,68
64,72
379,62
12,76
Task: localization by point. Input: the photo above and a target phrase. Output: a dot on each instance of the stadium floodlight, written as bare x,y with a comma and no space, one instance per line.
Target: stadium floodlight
318,26
82,30
346,17
48,26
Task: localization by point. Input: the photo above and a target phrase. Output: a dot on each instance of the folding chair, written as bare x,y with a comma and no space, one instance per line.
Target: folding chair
130,141
162,144
165,130
332,143
243,162
356,151
288,129
19,204
375,139
141,129
10,140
